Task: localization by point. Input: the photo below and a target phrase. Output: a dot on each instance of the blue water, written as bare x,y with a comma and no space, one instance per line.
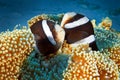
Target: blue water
13,12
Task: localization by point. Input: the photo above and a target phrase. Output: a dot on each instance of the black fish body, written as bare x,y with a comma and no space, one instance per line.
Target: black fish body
78,29
48,36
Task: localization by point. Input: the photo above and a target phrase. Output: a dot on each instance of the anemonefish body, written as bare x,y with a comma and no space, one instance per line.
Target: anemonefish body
78,29
48,36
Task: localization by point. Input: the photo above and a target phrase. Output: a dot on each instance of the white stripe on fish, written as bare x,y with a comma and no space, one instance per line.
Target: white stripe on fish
48,32
86,40
77,23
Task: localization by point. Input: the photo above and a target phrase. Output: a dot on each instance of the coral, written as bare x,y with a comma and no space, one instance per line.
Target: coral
36,67
15,46
85,64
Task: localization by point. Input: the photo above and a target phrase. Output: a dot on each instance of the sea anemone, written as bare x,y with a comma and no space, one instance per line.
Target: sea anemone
56,18
114,54
37,67
106,23
108,38
15,46
20,61
85,64
66,48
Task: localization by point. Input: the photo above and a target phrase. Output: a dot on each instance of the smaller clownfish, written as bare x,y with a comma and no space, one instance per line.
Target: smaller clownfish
48,36
78,29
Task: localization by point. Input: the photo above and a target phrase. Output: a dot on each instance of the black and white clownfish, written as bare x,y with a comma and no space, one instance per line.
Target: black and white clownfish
78,29
48,36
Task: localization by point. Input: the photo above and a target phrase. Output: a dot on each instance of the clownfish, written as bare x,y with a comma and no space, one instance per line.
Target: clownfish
48,36
78,30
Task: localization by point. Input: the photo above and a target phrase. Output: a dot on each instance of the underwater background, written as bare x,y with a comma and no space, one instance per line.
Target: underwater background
19,59
13,12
